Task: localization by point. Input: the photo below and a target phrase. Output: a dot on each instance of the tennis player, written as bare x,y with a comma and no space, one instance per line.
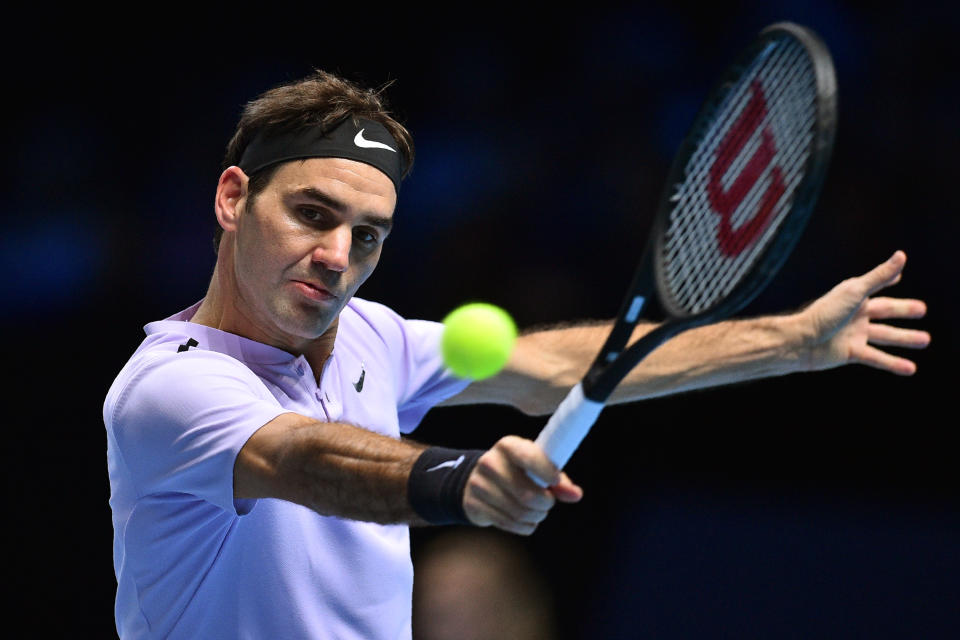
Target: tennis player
261,482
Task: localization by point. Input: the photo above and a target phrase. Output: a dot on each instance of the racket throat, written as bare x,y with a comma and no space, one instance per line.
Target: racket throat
604,376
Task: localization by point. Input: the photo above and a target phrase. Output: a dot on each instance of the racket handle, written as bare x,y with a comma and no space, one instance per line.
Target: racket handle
567,428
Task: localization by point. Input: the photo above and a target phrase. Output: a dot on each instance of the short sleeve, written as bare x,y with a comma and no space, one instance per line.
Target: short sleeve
182,419
412,349
427,381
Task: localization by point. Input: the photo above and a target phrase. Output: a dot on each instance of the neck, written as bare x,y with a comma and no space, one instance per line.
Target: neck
220,311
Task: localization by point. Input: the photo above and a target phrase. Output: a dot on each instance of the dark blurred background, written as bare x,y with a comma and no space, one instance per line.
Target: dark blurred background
816,505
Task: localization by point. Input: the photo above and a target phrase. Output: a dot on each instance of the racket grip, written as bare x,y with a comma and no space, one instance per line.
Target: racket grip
567,428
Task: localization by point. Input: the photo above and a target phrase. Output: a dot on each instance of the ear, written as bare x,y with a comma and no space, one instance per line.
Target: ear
231,190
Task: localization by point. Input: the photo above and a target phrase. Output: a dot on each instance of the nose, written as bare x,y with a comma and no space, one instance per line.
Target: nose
333,249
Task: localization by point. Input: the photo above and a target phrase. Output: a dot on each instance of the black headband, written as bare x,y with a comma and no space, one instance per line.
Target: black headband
365,141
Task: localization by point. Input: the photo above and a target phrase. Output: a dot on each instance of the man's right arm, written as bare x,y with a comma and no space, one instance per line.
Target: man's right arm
341,470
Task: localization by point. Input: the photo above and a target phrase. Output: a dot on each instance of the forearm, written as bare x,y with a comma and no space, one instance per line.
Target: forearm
723,353
547,363
333,468
839,328
348,472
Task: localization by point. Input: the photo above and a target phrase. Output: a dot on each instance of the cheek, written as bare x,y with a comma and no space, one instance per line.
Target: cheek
366,266
270,247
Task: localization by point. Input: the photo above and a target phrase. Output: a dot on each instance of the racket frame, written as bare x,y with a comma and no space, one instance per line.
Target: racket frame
579,410
613,362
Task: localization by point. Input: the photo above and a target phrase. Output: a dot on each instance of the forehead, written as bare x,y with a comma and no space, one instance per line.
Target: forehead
358,185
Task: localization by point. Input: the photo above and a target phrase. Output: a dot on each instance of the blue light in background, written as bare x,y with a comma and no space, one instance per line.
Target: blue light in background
453,170
49,265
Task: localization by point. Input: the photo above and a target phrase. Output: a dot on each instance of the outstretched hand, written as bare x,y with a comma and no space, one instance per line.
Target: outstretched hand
845,327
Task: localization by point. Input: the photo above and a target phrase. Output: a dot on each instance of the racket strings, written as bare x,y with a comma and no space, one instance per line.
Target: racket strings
744,152
739,182
746,155
749,151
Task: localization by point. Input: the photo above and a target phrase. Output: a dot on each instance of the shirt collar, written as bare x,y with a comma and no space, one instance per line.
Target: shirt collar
243,349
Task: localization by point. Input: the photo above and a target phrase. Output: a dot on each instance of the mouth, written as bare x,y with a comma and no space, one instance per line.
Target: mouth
313,291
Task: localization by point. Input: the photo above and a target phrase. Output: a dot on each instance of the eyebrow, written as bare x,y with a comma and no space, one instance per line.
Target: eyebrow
329,201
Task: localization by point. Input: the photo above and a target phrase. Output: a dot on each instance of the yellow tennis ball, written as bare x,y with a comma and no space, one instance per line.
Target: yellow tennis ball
477,340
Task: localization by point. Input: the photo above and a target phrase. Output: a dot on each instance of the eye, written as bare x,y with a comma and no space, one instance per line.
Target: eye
367,237
311,214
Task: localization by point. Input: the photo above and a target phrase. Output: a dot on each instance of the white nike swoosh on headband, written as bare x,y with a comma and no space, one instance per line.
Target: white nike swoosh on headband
360,141
452,464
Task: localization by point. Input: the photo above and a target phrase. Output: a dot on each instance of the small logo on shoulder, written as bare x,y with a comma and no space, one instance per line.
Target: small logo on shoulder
186,345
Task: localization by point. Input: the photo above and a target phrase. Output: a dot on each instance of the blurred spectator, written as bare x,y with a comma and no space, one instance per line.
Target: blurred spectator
479,585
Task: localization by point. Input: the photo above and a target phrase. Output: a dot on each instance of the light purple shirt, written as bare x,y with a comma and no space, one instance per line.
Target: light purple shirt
193,562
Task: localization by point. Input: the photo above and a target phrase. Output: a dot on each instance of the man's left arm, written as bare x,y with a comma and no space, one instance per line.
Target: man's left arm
845,326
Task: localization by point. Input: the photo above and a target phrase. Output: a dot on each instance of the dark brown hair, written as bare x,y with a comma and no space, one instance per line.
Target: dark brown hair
322,99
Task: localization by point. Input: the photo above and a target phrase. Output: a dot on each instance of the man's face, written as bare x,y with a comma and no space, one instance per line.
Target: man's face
305,245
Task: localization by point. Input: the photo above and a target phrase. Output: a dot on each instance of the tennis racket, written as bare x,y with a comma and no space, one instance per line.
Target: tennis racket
738,196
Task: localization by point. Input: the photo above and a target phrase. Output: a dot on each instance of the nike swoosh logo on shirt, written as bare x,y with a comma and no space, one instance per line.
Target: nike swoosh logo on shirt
358,385
360,141
452,464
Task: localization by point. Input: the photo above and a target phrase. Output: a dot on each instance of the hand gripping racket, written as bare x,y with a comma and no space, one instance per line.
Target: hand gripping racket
738,196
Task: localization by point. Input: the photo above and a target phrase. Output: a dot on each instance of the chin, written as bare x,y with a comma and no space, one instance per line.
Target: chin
302,321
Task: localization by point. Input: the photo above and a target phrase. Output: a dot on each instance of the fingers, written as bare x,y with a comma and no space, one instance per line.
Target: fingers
491,515
885,274
888,336
873,357
902,308
566,491
886,308
528,456
500,492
